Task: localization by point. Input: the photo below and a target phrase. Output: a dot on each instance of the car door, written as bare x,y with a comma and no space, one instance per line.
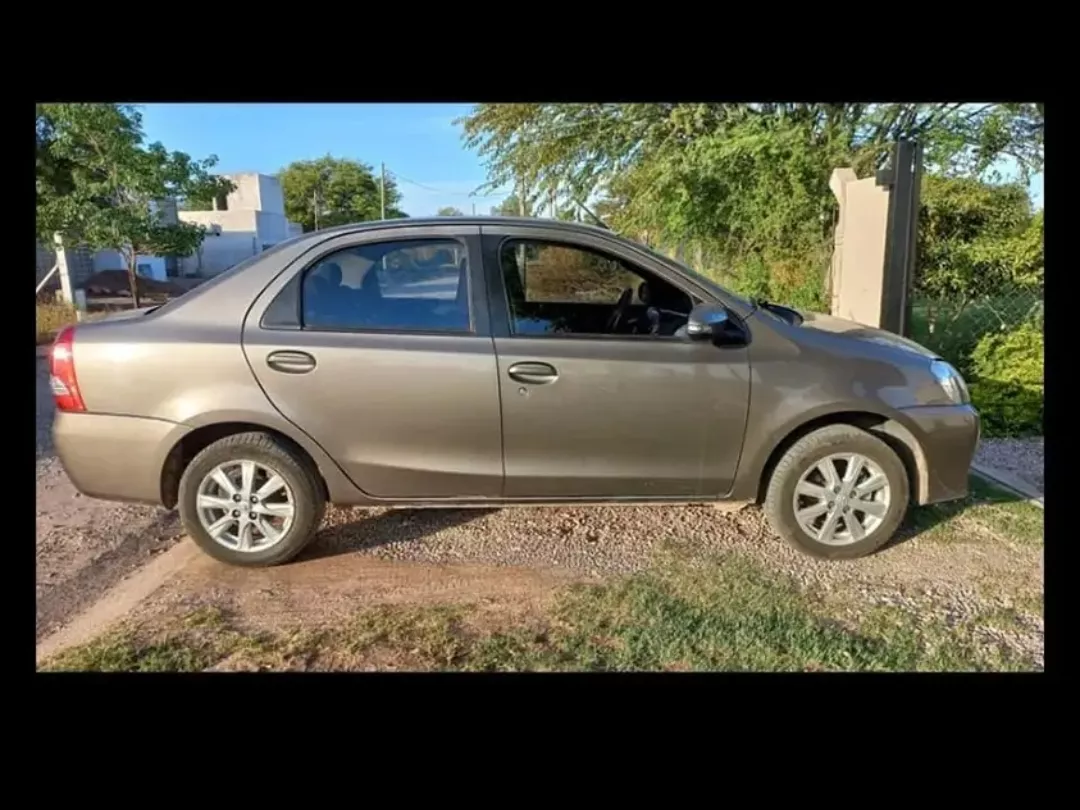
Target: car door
594,415
377,345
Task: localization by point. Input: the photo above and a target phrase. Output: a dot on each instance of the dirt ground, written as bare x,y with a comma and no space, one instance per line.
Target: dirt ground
84,546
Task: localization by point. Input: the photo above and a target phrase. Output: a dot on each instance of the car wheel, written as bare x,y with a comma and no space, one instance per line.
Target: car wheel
838,493
250,500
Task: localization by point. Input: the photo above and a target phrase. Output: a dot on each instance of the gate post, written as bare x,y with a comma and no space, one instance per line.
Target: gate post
904,179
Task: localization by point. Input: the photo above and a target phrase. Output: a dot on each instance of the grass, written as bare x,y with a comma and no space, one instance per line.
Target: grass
987,509
724,615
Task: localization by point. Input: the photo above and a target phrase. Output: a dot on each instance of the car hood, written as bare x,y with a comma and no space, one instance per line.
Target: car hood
861,332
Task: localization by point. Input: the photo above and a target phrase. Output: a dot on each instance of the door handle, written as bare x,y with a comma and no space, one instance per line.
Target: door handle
291,362
533,373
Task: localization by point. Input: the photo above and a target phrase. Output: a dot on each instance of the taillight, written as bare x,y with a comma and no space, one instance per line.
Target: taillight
65,387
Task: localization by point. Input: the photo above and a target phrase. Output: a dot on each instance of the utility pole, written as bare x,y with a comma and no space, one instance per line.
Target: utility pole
474,209
382,189
521,196
552,203
315,206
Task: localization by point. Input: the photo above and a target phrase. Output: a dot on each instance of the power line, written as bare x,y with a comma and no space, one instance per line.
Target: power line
397,176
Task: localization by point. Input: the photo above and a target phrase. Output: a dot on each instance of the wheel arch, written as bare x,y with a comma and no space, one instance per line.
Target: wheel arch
194,440
893,433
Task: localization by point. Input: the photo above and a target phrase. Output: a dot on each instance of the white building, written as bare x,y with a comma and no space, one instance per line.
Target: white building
248,221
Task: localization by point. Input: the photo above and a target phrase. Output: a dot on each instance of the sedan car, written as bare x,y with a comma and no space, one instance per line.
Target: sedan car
498,362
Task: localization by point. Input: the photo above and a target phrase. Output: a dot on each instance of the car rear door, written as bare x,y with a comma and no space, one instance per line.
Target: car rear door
377,345
589,415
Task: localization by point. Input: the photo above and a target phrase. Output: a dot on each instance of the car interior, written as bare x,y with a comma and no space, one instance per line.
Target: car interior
647,306
386,286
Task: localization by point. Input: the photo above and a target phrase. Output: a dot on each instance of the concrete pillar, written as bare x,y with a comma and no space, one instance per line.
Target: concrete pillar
63,261
858,266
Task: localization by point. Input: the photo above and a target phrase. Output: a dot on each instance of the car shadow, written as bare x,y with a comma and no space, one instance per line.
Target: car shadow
387,528
922,519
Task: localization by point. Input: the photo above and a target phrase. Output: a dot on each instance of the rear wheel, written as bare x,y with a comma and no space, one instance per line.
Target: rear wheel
250,500
838,493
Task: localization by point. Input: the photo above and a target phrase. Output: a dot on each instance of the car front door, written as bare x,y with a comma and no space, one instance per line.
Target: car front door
376,344
591,411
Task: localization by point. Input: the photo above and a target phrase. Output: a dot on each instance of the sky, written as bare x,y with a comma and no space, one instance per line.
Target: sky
418,143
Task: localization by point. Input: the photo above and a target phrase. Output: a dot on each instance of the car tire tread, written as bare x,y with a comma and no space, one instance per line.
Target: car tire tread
299,475
806,451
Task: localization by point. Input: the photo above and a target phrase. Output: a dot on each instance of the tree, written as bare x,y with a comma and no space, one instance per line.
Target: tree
335,191
99,186
511,207
450,211
747,183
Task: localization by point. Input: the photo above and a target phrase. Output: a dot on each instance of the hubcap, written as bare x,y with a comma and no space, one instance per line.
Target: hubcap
245,506
842,499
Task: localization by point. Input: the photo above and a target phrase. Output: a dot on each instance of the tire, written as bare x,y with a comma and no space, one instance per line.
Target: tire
821,446
269,456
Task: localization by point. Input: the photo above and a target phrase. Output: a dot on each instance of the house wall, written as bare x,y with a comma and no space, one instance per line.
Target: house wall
272,228
271,195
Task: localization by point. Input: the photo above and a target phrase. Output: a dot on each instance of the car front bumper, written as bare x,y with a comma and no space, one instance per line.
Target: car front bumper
116,458
947,437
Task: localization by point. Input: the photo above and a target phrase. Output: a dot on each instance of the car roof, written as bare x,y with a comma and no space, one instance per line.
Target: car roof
412,222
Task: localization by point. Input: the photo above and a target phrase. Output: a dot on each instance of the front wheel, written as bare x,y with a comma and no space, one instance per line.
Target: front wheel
250,500
838,493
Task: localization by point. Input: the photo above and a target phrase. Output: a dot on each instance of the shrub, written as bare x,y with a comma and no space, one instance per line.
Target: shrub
51,318
1007,388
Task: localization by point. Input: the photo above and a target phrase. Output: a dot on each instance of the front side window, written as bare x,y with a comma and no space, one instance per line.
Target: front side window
406,286
555,288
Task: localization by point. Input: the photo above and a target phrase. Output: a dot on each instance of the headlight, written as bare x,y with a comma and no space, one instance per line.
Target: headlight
951,382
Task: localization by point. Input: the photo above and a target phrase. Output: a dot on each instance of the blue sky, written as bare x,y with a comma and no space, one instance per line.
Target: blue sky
418,143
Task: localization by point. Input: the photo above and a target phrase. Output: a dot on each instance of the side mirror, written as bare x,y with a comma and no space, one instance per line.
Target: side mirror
706,321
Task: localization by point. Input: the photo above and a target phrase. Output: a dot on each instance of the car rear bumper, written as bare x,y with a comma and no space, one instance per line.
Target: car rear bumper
947,437
116,458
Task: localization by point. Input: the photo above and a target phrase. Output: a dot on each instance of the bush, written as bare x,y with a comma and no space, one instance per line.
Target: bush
1007,388
51,318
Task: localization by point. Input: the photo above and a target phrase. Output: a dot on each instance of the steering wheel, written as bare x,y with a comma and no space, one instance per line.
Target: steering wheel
620,309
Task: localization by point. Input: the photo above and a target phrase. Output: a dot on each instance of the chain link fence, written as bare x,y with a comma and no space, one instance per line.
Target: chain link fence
954,325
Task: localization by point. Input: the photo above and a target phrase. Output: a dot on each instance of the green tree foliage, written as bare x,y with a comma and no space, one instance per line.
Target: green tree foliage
450,211
747,183
1008,386
343,191
980,266
98,184
511,207
977,237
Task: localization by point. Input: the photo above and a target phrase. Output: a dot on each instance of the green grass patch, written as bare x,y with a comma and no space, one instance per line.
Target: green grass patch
987,509
727,614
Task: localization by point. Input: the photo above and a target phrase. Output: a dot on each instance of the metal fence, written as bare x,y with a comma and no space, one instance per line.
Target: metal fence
953,325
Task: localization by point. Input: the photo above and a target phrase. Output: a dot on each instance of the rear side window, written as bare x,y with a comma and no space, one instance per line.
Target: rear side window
400,286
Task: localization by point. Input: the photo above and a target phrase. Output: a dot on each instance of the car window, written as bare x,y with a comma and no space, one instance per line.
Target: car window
556,273
407,286
556,288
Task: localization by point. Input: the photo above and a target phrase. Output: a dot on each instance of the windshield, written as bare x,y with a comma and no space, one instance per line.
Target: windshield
703,280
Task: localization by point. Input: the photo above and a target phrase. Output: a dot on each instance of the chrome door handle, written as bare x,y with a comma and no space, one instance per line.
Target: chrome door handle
291,362
533,373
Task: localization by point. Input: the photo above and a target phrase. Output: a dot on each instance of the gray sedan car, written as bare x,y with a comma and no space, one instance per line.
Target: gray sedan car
498,362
